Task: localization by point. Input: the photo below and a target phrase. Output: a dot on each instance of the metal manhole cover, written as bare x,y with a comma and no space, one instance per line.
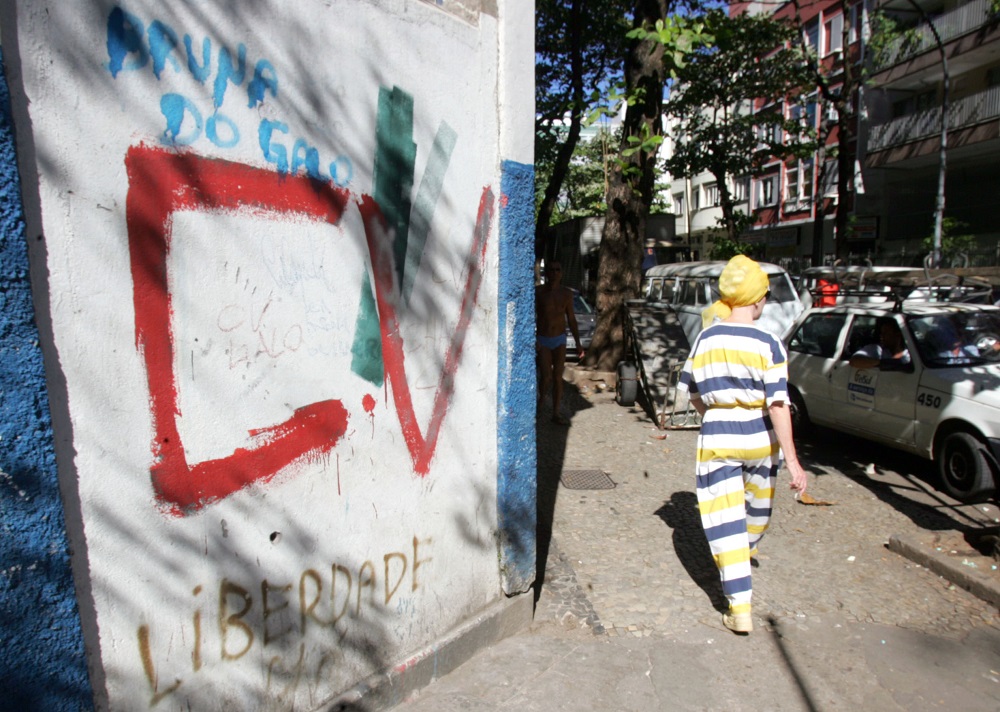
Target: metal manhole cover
586,480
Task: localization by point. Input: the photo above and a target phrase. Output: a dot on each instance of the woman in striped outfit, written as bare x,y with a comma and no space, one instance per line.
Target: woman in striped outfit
736,377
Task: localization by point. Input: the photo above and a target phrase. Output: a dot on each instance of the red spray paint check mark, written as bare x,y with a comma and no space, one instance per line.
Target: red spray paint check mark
162,183
421,444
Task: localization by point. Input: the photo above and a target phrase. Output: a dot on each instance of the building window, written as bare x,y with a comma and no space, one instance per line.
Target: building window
857,14
791,184
810,33
769,129
695,199
741,189
805,116
831,112
806,179
833,34
799,181
766,191
831,171
914,103
678,203
712,194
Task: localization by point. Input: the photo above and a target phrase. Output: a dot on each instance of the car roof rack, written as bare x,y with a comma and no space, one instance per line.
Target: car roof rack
866,296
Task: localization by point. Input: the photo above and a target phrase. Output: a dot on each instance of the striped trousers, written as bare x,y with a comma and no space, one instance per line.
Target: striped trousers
738,460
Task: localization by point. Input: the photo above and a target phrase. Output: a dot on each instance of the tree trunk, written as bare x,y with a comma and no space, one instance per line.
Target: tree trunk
631,192
726,203
561,167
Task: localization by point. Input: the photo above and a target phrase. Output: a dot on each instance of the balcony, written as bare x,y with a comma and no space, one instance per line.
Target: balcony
920,39
962,113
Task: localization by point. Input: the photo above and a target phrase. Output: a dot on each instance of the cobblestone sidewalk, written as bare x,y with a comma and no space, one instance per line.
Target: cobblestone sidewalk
633,561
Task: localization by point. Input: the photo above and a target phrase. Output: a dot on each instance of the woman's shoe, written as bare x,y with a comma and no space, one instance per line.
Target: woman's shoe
738,623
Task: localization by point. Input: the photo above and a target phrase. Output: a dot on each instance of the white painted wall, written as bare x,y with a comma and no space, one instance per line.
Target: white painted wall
232,604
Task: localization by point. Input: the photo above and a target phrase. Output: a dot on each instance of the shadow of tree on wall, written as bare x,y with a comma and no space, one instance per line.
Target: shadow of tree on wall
279,622
36,599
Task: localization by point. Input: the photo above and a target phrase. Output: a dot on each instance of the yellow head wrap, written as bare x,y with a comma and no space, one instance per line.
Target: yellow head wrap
741,283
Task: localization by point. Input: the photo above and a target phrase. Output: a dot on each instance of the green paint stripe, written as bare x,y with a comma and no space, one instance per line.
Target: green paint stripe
366,353
395,155
423,207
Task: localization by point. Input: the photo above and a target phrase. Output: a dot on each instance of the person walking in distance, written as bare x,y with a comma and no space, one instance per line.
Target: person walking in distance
553,311
736,377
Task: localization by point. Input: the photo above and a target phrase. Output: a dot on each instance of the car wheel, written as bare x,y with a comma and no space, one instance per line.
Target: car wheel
800,416
627,384
965,471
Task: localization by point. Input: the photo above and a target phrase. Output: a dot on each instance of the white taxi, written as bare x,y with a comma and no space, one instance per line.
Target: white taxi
935,394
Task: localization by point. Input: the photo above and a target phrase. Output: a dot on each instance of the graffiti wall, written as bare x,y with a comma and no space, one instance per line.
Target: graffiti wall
288,412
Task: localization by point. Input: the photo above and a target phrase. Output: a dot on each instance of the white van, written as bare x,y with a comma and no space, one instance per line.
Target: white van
691,287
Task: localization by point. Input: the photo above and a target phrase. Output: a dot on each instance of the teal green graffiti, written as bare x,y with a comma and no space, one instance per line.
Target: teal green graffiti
395,153
366,352
395,156
427,197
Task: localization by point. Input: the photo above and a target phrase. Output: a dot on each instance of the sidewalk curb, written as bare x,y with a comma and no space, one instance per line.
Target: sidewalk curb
975,582
385,690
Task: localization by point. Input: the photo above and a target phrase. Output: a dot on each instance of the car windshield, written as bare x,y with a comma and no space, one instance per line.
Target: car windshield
780,286
580,305
959,338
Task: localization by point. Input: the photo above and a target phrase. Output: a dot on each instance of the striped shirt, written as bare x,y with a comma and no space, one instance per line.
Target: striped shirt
734,365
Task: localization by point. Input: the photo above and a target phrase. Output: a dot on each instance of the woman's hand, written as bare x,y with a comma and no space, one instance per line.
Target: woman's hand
799,478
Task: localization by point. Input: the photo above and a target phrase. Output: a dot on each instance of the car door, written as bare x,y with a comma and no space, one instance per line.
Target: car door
813,353
879,403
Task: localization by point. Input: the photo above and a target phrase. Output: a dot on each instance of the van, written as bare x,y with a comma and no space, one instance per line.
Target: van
691,287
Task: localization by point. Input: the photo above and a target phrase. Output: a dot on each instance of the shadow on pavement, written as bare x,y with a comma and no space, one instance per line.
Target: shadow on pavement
800,679
550,443
681,515
916,478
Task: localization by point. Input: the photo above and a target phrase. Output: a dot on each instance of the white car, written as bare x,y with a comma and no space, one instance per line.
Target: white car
586,322
688,288
941,400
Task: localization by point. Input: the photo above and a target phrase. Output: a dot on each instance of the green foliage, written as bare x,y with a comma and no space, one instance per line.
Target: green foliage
954,241
583,189
724,248
890,38
741,222
679,35
715,92
714,95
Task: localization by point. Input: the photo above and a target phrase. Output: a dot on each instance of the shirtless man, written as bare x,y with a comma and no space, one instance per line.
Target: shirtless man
553,311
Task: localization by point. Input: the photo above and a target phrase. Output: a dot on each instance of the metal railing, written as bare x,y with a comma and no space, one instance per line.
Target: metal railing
968,111
984,257
950,25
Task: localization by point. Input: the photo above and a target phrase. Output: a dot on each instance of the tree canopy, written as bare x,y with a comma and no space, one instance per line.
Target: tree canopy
578,57
751,62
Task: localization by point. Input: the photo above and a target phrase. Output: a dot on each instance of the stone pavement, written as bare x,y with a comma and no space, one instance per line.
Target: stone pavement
628,616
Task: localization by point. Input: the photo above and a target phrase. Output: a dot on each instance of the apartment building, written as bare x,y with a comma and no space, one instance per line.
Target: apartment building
918,79
921,61
790,200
